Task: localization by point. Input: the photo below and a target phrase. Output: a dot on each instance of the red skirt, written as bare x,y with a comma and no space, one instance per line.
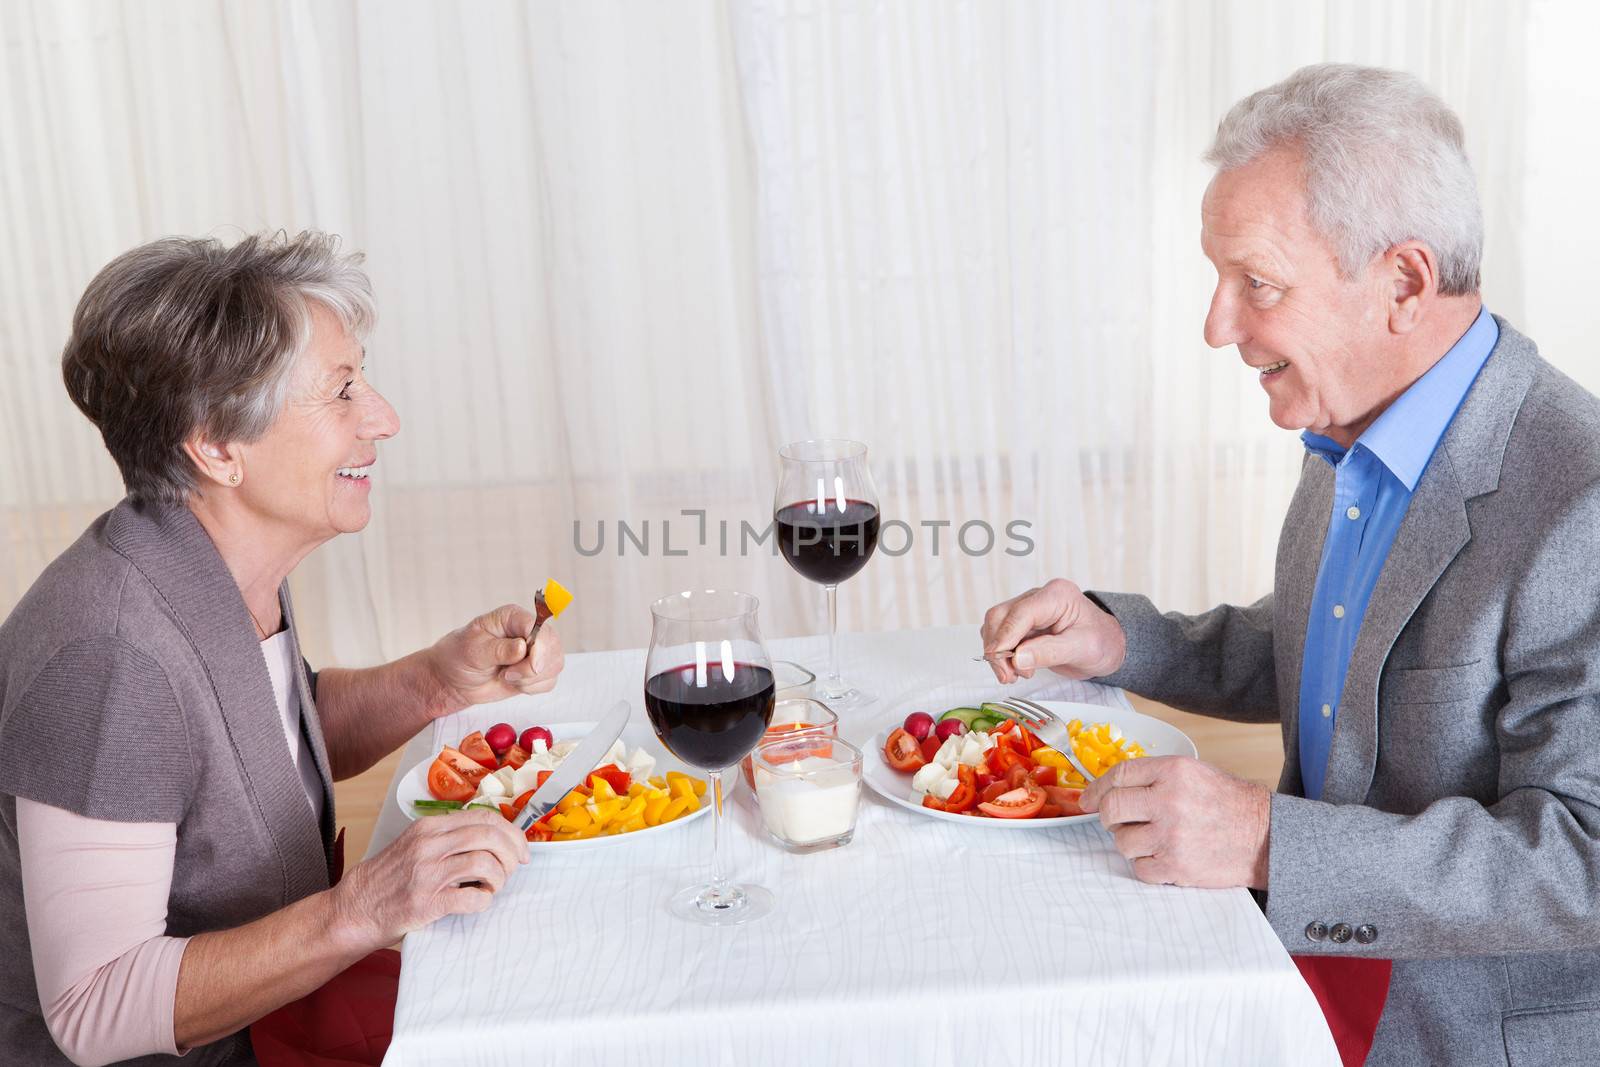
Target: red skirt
348,1021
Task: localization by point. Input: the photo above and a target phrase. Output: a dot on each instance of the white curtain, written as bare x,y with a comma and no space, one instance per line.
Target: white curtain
623,251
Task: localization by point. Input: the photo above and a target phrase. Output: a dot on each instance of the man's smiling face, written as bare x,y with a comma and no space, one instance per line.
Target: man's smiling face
1317,340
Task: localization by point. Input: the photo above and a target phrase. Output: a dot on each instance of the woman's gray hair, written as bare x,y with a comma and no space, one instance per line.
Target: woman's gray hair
1385,162
186,334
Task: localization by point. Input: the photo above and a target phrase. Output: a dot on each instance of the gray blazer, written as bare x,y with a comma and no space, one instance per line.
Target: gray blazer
135,656
1460,822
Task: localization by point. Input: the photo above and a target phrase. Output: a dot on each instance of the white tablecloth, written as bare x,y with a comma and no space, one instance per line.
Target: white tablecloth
921,943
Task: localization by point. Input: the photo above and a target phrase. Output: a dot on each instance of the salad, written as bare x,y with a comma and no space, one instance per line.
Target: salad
983,762
500,770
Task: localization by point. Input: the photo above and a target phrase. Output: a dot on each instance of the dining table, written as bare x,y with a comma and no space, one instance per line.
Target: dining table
921,942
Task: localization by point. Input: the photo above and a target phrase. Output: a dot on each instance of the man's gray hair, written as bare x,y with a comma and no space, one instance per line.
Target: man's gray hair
1385,162
186,334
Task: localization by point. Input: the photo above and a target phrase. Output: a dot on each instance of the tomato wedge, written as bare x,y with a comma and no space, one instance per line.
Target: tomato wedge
475,748
903,752
991,790
445,782
963,799
1044,775
930,748
1064,798
470,769
514,757
1021,803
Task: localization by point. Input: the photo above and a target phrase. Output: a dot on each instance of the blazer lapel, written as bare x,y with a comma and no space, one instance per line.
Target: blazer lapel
1465,465
312,726
1431,535
1305,528
169,546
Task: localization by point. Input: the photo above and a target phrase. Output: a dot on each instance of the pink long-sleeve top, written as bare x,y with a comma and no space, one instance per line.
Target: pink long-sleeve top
96,894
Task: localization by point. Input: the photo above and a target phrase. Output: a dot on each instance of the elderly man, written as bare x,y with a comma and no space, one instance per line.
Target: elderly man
1432,642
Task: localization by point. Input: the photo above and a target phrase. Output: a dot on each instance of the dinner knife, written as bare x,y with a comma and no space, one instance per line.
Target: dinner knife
577,766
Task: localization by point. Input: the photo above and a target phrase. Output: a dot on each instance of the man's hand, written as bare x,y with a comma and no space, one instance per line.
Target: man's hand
1183,822
489,659
1054,626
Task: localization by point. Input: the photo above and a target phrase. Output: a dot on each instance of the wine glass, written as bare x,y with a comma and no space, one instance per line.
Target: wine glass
709,692
826,514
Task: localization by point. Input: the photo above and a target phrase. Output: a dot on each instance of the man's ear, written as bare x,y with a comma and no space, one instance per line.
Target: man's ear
1412,276
220,464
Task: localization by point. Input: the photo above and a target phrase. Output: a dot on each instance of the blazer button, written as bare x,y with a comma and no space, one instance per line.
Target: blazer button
1340,933
1316,932
1366,934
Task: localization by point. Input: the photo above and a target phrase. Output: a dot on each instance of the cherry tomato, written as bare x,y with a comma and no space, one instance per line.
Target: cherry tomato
963,799
475,748
1023,803
445,782
902,752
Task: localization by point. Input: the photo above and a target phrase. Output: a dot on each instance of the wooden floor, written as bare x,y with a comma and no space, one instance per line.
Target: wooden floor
1252,752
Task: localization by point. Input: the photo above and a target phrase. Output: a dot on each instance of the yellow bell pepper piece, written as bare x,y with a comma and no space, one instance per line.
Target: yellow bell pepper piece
570,801
576,819
633,809
658,782
556,597
680,784
655,806
628,826
676,807
606,810
694,801
637,789
603,790
1049,757
699,786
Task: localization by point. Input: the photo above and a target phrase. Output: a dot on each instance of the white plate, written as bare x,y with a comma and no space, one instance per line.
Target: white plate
1158,738
414,786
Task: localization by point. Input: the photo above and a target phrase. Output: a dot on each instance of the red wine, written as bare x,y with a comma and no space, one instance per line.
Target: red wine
713,725
830,547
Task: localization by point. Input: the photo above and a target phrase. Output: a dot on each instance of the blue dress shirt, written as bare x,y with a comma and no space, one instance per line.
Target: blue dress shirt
1372,487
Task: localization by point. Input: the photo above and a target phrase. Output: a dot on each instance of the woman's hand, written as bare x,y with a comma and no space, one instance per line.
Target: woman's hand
419,877
489,659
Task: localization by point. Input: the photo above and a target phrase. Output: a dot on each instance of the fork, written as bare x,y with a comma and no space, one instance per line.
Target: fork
1037,715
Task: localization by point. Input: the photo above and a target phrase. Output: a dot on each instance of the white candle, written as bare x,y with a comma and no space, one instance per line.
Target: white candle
815,802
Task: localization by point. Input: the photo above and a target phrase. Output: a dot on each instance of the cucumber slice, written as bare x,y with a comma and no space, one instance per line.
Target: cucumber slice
965,715
998,712
985,723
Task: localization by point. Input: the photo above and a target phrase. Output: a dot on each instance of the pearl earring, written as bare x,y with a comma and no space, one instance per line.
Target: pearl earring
233,479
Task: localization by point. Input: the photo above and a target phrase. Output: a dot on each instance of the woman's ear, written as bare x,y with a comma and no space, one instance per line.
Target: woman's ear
221,464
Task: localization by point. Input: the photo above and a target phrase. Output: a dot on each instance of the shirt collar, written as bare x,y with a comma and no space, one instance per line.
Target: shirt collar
1404,437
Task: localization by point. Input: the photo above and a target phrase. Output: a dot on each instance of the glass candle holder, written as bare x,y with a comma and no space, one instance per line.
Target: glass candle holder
791,679
809,790
795,717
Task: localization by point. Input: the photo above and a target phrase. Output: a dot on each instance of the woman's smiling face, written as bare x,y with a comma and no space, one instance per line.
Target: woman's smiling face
311,471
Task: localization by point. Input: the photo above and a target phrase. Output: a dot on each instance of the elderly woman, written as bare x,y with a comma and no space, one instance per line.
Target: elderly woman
167,848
